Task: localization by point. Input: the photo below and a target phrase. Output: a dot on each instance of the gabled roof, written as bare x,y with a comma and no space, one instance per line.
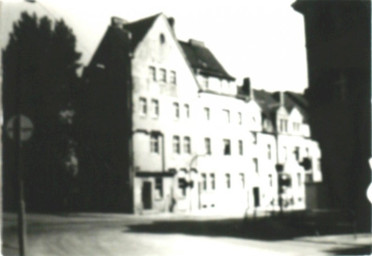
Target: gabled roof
139,28
294,100
270,102
202,59
266,101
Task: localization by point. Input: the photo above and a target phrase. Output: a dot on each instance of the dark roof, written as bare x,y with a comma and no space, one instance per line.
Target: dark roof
298,100
270,102
139,28
201,58
291,100
266,101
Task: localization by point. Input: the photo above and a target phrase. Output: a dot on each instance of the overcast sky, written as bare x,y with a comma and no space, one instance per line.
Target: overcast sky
261,39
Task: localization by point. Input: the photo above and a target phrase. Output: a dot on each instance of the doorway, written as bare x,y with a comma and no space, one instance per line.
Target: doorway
146,195
256,196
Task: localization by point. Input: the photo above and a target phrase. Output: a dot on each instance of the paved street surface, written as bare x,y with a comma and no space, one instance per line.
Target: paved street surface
120,234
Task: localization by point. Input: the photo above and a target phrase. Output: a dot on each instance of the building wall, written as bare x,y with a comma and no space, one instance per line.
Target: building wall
244,179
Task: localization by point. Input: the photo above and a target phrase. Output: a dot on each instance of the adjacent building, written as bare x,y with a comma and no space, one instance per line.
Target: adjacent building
166,128
338,42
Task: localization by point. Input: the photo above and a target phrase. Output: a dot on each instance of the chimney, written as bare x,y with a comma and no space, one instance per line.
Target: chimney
247,88
194,42
171,22
118,22
281,98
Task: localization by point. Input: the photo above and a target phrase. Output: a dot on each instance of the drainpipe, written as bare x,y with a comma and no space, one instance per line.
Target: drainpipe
162,152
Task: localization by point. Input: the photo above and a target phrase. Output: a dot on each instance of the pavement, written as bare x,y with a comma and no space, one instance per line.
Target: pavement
93,234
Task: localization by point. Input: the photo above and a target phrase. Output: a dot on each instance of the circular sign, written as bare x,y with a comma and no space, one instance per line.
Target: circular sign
25,129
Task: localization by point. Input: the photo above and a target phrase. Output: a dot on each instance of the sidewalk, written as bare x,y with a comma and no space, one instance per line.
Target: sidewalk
341,239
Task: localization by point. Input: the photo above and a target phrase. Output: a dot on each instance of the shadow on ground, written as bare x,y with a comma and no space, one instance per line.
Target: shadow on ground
359,250
261,229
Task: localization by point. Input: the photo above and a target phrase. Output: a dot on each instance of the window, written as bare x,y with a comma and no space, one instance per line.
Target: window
204,181
187,145
207,113
155,108
297,153
270,180
163,75
307,152
152,72
176,145
283,123
228,180
176,109
143,106
255,164
187,110
182,185
269,151
242,179
162,38
154,143
226,149
159,186
240,142
296,127
207,142
173,78
213,181
240,118
226,116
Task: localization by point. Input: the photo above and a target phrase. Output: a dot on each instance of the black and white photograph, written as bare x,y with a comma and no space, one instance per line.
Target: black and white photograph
161,127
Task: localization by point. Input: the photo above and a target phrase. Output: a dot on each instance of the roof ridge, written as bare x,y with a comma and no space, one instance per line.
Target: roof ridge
146,18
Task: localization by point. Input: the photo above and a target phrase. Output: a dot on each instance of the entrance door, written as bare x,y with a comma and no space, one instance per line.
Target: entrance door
256,196
146,195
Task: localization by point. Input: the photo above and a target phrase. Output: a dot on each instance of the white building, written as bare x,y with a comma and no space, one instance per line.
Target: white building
200,141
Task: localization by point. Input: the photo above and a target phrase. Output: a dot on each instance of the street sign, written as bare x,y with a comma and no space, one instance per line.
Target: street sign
26,127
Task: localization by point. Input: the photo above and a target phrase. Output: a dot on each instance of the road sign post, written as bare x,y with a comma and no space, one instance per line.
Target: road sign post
20,128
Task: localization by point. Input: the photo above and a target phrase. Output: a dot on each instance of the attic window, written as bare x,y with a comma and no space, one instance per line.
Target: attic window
162,38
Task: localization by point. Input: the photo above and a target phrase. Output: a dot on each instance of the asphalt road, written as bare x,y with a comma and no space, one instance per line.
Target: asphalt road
116,234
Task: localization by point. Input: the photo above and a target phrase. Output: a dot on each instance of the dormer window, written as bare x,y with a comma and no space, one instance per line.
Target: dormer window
163,75
283,125
173,79
152,72
296,126
162,38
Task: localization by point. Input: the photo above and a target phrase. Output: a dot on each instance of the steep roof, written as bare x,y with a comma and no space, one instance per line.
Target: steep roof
202,59
266,101
139,28
270,102
294,100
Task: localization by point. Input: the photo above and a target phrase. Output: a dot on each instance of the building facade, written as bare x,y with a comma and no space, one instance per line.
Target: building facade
195,139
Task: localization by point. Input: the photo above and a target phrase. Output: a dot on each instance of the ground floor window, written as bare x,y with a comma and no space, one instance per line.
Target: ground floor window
182,186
